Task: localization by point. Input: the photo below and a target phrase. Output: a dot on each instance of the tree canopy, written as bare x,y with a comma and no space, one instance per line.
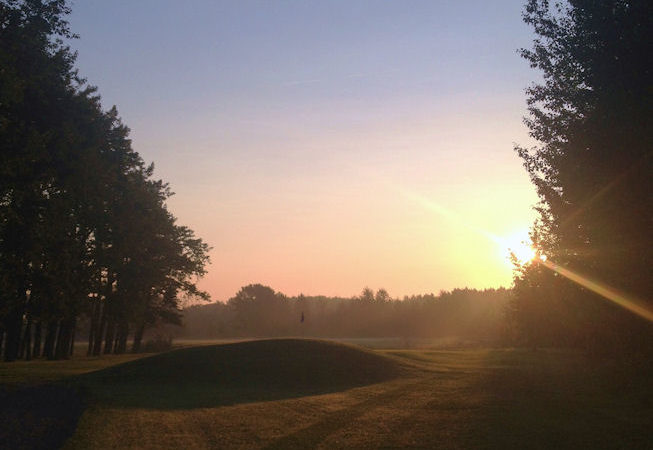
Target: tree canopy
592,116
84,227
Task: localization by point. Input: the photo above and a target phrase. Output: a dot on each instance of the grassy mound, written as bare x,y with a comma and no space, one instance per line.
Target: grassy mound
240,372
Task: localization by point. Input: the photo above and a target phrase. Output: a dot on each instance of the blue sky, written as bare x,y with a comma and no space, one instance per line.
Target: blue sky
290,129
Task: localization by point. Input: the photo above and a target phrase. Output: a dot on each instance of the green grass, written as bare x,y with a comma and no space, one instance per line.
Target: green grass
310,394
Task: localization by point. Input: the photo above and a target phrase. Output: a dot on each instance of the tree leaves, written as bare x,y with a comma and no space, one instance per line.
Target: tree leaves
83,221
592,116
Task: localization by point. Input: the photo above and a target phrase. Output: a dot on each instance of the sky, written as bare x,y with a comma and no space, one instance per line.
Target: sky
321,147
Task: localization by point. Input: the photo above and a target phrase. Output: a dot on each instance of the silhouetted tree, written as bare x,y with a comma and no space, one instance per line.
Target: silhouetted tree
38,90
260,311
84,228
593,117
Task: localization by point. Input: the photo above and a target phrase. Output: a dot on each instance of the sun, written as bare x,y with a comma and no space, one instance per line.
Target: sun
518,244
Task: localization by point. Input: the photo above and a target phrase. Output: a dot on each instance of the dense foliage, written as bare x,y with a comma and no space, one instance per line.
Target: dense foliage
84,228
592,115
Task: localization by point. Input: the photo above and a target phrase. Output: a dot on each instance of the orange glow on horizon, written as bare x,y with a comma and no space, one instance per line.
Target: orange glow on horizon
520,245
517,243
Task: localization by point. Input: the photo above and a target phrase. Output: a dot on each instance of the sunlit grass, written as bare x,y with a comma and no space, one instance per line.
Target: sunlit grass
40,370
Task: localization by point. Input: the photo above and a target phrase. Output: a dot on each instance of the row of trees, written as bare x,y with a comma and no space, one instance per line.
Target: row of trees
593,118
84,228
257,311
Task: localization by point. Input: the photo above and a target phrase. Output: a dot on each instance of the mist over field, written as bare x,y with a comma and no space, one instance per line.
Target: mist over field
258,311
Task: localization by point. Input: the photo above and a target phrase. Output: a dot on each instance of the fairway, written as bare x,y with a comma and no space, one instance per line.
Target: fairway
294,393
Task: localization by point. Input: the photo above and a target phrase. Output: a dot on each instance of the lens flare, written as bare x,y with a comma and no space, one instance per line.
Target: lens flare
519,245
628,302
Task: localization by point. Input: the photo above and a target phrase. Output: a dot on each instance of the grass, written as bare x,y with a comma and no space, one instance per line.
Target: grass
18,373
38,407
309,394
254,371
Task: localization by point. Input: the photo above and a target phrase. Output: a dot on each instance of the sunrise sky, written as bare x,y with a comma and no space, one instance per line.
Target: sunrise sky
323,146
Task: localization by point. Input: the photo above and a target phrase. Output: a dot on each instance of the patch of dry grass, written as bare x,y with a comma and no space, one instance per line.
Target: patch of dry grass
42,371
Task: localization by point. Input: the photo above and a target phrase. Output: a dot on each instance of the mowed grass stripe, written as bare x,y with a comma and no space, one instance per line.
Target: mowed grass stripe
316,433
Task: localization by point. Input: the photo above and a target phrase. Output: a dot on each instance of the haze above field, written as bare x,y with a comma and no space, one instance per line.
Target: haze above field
323,146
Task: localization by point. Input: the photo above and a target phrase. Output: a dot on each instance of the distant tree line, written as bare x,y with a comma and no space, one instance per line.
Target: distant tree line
592,115
84,228
259,311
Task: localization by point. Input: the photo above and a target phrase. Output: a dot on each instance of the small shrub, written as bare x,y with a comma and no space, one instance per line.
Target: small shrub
157,344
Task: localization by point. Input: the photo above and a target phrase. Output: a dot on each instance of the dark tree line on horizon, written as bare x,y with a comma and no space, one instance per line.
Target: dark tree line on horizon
592,116
84,228
467,315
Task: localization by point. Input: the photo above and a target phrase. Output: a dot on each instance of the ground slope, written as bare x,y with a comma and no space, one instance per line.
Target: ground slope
240,372
42,414
493,399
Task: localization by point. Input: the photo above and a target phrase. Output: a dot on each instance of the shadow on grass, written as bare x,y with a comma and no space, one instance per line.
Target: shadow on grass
38,417
267,370
555,399
43,416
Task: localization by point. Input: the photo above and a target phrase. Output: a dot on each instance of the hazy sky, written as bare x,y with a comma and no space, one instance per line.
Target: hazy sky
324,146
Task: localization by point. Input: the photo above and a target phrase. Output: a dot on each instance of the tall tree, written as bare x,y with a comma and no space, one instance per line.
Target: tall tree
37,83
593,117
259,311
84,228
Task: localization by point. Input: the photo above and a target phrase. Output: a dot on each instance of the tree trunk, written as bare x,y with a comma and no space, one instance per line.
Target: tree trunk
121,341
95,319
138,337
37,340
27,341
73,327
12,341
21,344
108,341
50,337
63,340
97,346
108,314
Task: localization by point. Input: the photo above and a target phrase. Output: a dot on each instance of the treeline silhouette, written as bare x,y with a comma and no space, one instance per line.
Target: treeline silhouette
592,115
258,311
84,228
